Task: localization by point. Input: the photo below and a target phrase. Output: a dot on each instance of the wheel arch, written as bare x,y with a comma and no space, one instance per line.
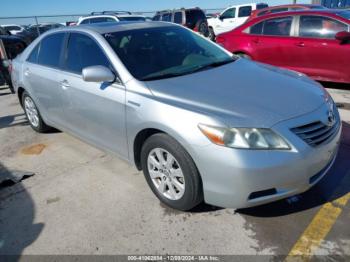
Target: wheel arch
20,91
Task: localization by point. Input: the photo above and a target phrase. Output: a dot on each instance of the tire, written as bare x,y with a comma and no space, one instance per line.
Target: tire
180,174
203,28
33,115
243,55
211,34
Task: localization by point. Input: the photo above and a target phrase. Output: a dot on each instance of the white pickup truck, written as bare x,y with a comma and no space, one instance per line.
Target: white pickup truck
231,18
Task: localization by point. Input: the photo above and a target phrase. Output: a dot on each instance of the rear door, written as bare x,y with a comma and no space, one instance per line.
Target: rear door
319,54
243,14
271,39
94,111
41,76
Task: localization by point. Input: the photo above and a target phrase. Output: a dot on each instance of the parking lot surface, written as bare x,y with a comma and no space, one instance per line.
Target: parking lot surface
81,200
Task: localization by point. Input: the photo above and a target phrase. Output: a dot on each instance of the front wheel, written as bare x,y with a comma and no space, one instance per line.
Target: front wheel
171,173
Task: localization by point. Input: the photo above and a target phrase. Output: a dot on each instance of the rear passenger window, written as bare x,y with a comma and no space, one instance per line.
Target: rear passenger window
86,21
98,20
50,50
244,11
178,18
166,17
33,57
257,28
156,18
82,52
278,26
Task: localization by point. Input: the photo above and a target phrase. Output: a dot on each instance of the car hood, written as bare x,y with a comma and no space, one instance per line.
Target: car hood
243,93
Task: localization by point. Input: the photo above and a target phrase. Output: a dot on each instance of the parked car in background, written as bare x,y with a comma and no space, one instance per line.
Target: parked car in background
110,16
201,124
231,18
25,36
36,30
283,8
192,18
10,47
316,43
13,29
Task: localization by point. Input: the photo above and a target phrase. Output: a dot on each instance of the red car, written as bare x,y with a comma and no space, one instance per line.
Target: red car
282,8
316,43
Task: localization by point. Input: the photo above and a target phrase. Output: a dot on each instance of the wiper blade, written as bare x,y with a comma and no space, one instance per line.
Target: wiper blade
211,65
161,76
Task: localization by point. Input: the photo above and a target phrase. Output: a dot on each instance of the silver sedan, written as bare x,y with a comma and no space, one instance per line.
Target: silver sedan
200,123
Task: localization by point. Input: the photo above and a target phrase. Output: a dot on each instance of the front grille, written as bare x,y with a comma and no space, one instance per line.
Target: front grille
316,133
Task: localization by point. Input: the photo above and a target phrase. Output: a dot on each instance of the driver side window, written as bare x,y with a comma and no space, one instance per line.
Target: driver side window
82,51
229,13
320,27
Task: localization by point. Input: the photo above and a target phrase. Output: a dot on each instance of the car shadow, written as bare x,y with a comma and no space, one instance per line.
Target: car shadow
17,227
5,94
333,85
335,184
13,120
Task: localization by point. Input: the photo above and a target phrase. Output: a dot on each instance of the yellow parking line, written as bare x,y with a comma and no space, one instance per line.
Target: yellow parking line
318,229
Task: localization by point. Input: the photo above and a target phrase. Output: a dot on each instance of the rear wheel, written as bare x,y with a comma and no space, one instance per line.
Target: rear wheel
33,114
171,173
243,55
211,34
203,28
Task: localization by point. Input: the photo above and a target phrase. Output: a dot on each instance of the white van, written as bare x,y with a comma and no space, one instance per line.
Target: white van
231,18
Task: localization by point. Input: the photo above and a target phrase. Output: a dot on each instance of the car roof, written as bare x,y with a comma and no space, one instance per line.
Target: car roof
177,9
300,12
111,27
290,5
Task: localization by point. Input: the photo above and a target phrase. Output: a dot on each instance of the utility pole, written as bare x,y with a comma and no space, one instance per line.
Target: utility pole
294,1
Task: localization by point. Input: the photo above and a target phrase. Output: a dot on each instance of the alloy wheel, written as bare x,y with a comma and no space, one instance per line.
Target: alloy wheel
166,174
31,111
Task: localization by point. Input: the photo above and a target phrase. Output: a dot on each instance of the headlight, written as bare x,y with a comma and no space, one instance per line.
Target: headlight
248,138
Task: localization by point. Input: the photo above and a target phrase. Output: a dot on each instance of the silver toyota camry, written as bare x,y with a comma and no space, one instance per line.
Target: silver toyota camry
202,124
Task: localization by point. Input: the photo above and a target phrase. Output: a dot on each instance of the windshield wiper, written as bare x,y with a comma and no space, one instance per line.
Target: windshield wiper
161,76
212,65
196,69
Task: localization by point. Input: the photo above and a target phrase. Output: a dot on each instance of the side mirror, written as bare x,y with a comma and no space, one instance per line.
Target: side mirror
8,32
343,36
98,74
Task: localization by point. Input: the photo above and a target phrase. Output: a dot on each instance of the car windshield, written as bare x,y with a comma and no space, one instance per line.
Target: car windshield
131,18
164,52
344,14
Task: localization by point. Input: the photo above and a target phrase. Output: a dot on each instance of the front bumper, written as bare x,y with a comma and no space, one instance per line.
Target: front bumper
236,178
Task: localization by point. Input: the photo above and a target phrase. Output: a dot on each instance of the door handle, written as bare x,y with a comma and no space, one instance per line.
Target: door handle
300,44
65,84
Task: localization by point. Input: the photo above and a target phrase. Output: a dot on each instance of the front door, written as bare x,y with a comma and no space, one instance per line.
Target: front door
94,111
320,55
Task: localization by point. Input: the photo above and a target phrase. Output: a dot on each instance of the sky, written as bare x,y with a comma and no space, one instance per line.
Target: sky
10,8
